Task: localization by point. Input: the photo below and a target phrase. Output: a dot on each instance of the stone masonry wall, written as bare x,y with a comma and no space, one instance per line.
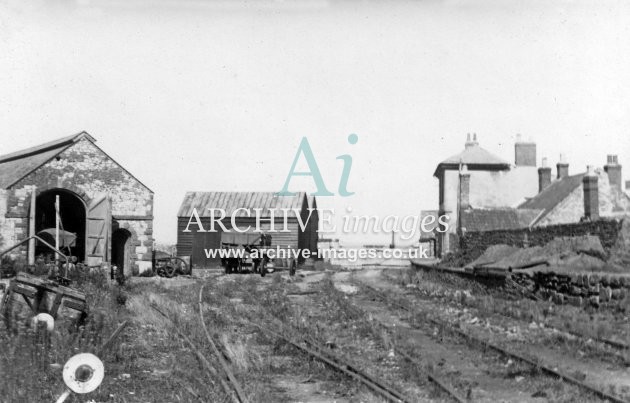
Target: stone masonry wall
473,244
88,172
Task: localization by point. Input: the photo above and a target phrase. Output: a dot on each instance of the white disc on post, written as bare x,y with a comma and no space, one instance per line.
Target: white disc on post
83,373
45,318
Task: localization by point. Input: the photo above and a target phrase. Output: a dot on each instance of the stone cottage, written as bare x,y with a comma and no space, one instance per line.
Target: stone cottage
108,209
475,177
481,192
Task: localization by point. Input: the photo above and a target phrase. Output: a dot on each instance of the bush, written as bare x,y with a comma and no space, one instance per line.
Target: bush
147,273
10,267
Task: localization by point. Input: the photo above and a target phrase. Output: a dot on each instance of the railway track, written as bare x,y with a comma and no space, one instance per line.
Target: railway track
324,355
232,389
337,363
491,346
618,345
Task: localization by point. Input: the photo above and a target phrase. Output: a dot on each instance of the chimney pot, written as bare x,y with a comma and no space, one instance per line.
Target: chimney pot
562,167
613,170
469,142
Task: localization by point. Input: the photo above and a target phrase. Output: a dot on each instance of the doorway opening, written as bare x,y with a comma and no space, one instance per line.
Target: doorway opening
73,220
121,250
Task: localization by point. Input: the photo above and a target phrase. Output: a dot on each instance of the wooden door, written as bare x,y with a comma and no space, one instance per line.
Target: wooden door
98,230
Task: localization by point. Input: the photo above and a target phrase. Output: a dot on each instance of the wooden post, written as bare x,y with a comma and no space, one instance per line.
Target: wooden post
31,227
57,227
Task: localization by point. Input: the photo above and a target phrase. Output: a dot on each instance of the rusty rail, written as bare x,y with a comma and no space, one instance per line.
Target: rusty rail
224,366
202,359
111,338
501,350
443,385
432,377
338,364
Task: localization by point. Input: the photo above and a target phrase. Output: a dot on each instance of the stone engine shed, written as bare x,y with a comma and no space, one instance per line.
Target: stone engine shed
109,210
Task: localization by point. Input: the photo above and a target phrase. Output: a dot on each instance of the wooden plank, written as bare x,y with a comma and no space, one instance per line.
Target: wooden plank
76,305
20,289
46,285
28,302
55,305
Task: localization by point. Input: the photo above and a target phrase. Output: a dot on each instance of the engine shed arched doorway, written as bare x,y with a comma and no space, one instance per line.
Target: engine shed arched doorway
72,211
121,250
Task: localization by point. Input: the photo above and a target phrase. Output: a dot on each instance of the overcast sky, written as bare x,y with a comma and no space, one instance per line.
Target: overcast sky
216,95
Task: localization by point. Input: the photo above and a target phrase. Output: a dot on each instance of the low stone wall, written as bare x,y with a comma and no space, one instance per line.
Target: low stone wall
473,244
578,289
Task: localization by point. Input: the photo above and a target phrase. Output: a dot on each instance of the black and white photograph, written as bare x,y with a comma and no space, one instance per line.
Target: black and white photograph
314,201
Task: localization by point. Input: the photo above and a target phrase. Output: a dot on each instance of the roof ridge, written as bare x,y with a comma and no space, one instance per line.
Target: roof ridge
38,149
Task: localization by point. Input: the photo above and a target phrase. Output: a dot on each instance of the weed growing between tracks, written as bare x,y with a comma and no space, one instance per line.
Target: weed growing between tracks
613,323
450,294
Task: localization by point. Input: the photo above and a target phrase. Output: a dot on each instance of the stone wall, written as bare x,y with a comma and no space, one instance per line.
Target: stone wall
88,172
473,244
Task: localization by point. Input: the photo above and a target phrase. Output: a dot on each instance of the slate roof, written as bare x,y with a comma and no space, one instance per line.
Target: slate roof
553,194
16,165
497,218
473,156
230,201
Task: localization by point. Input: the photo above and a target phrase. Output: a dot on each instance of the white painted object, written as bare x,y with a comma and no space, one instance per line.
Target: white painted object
45,318
83,373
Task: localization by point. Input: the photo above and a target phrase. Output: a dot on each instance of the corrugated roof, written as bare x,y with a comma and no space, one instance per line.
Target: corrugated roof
471,156
230,201
16,165
497,219
553,194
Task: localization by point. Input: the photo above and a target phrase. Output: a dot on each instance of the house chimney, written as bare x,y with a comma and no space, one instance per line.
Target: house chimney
563,167
471,142
613,169
464,188
524,152
544,176
591,194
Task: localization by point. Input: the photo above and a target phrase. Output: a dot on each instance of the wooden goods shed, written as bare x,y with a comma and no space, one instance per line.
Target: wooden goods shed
242,206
